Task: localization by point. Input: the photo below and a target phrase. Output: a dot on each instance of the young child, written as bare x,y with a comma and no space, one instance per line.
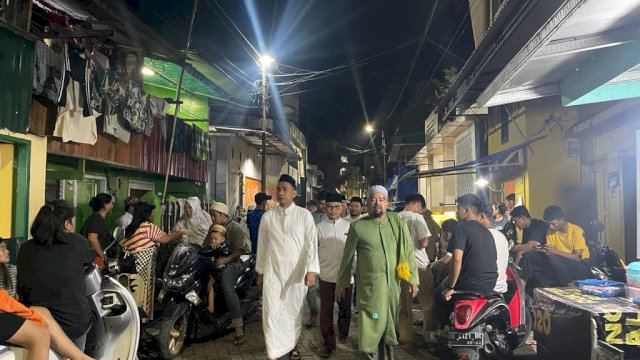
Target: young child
216,237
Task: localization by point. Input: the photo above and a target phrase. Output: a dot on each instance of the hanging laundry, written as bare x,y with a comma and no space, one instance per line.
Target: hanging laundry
157,110
179,140
81,72
135,107
104,86
48,70
113,126
71,125
199,141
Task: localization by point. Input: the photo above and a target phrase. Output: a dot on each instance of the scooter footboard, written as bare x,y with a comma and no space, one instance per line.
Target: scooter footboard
119,320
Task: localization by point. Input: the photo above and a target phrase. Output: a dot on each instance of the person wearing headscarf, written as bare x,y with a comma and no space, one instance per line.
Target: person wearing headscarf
142,238
196,220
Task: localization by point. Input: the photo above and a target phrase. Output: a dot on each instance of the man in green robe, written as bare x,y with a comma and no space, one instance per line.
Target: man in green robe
382,241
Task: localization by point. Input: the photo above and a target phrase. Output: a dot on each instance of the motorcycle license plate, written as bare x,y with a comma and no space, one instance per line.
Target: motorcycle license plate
465,339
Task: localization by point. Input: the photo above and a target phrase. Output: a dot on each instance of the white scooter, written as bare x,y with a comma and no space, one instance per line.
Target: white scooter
116,331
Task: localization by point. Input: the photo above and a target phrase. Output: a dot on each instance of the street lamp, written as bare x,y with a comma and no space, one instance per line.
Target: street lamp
266,62
369,128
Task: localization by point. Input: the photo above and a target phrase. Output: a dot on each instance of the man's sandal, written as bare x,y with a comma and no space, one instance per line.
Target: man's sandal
239,340
295,355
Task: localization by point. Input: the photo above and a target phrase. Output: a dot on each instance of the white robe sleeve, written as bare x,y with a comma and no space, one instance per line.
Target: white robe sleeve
311,244
263,245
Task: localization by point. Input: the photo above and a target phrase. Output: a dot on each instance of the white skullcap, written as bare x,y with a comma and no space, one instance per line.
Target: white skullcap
378,189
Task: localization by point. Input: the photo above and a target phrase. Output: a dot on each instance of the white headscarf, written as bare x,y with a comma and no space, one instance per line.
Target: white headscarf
199,222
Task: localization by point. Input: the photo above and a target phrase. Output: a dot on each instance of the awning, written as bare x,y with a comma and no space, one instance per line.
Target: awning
513,156
167,75
586,52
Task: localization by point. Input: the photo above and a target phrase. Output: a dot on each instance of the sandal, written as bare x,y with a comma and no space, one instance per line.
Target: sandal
295,355
239,340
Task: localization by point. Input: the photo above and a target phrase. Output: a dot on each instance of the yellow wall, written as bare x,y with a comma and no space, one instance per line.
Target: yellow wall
6,190
551,176
37,172
603,155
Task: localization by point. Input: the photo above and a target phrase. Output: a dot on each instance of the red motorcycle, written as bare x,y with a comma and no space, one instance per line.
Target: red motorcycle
491,326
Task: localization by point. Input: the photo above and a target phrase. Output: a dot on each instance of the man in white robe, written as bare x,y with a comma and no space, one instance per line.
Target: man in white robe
287,264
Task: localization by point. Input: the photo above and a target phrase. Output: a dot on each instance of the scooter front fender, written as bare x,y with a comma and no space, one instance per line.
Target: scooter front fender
173,310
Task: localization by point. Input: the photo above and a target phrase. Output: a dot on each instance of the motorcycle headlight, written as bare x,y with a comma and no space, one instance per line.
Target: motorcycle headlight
193,297
178,282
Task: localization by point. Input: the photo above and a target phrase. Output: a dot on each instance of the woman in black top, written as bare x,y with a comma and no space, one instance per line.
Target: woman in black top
95,227
51,270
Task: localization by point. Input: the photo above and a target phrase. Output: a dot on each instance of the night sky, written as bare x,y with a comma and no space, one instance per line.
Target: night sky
323,34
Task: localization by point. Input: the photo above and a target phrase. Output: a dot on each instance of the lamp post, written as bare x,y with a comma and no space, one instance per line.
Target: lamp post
266,62
371,130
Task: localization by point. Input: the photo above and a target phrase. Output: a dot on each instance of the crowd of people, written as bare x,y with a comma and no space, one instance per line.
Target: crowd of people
333,252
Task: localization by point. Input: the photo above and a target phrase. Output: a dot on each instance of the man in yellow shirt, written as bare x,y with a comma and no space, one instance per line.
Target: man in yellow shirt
566,247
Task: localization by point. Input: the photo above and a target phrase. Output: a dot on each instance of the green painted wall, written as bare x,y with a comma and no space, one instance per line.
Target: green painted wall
118,184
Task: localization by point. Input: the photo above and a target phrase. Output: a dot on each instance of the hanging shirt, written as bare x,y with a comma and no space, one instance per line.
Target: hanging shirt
332,236
418,230
288,250
71,125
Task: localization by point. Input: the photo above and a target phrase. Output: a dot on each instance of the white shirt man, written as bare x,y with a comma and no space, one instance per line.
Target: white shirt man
332,236
502,249
287,264
420,234
502,260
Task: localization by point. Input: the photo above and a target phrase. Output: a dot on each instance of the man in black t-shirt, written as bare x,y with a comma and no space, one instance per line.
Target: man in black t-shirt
535,268
534,231
473,263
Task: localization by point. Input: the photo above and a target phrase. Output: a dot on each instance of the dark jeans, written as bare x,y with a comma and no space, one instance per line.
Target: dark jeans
229,279
327,299
542,270
442,309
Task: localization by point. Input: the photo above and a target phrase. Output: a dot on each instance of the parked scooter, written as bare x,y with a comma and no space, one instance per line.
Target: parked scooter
491,326
184,300
115,332
606,264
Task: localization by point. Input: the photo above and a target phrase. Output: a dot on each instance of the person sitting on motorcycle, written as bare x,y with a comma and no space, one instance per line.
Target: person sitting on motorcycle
566,247
23,327
35,330
504,225
51,270
440,268
142,238
235,239
534,232
473,264
502,248
8,272
216,249
535,268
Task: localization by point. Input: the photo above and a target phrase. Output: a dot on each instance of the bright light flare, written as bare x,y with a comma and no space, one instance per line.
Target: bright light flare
266,61
369,128
147,71
482,182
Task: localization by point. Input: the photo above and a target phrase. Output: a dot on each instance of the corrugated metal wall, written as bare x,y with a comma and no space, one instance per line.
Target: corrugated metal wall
16,74
147,153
